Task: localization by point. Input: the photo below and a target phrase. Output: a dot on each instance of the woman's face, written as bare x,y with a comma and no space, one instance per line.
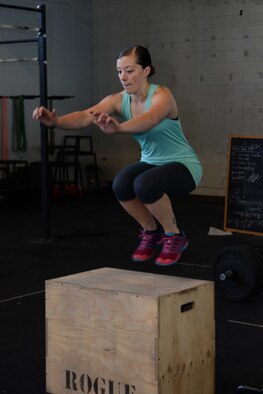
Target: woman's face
131,74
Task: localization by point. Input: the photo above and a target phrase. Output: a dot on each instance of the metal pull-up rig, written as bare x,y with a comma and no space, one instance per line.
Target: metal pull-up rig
40,40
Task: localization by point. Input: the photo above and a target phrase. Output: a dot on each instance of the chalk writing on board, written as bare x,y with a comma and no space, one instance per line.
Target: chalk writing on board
244,199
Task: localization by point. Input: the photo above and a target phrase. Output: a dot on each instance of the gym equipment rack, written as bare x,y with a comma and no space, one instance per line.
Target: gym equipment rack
40,40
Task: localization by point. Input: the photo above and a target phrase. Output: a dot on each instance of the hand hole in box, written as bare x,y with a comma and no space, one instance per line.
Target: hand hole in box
187,307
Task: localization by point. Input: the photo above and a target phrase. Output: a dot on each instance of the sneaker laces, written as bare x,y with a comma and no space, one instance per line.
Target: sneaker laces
148,240
171,244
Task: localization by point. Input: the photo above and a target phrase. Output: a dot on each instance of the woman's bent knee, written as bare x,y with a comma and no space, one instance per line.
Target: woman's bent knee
147,191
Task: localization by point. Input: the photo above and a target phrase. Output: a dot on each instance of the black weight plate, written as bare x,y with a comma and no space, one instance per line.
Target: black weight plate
258,257
245,280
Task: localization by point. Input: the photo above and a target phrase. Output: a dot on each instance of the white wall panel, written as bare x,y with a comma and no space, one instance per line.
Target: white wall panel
210,55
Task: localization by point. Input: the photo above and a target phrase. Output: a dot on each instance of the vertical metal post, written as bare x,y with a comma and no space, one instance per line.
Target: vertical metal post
45,178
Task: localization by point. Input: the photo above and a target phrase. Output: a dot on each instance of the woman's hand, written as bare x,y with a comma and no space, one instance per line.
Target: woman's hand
45,116
106,123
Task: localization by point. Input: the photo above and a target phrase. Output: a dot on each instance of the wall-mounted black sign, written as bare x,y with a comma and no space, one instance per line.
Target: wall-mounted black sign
244,192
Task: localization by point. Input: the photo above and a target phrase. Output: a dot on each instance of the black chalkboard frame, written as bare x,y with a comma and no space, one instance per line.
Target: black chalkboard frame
230,197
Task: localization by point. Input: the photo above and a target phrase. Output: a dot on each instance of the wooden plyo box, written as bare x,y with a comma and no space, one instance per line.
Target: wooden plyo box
112,331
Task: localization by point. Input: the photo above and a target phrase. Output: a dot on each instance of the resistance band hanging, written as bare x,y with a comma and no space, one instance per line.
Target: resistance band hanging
4,128
19,143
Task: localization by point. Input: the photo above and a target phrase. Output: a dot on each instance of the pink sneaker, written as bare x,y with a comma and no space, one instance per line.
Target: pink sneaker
149,242
173,247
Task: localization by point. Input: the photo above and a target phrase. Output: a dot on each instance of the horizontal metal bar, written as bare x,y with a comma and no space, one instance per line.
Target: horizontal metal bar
25,59
18,27
33,96
16,7
19,41
194,265
22,296
246,323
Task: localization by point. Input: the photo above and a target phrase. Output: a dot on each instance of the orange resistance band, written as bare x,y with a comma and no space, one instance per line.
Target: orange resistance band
4,129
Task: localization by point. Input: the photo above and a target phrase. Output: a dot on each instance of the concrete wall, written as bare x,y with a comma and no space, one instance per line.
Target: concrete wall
209,53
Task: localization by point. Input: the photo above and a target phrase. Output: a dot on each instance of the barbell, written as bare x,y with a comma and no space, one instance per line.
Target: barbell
238,272
248,389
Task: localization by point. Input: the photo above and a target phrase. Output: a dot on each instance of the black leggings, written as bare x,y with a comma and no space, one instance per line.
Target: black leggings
148,182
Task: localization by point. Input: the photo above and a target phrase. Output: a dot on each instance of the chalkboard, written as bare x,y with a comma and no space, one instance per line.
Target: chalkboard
244,192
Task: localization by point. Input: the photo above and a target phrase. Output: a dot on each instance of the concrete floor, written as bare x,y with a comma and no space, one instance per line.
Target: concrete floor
94,232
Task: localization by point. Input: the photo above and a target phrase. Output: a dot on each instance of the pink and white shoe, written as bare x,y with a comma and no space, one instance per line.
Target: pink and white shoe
173,246
149,240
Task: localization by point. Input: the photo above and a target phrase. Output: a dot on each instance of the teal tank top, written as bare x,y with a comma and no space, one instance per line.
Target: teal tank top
165,142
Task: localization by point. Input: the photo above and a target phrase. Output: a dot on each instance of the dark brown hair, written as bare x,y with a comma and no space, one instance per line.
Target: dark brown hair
142,54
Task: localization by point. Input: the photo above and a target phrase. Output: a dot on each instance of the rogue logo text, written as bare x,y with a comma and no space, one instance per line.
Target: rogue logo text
85,384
